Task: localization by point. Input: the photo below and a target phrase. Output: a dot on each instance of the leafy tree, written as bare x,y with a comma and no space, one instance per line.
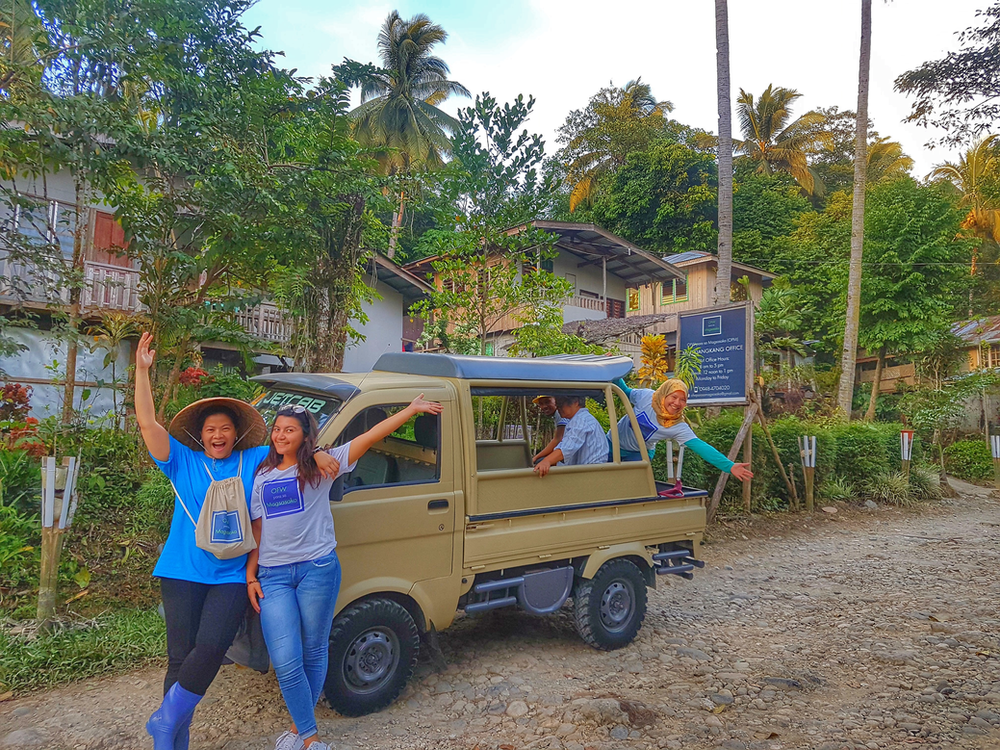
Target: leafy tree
487,273
772,140
914,276
765,208
540,334
599,138
886,161
399,116
663,197
779,320
960,92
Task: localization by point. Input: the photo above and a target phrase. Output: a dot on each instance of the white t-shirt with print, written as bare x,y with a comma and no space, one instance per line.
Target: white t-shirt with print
652,431
298,523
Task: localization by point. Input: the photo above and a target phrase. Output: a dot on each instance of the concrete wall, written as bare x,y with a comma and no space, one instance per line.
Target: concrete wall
383,332
46,399
587,279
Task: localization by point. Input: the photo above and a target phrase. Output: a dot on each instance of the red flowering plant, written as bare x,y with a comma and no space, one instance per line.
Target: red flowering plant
193,376
20,430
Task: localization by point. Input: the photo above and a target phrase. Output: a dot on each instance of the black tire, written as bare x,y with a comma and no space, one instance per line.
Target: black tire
608,609
373,650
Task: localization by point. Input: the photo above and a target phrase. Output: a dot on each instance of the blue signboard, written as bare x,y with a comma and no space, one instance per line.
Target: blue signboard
721,335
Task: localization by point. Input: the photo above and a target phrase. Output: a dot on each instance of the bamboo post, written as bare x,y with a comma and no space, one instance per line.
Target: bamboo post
749,415
55,521
995,445
807,454
747,459
906,450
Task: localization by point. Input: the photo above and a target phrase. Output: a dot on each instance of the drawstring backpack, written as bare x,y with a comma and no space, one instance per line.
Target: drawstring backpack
223,526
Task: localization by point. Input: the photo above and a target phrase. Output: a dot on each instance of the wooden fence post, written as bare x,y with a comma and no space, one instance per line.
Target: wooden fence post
807,453
749,415
995,446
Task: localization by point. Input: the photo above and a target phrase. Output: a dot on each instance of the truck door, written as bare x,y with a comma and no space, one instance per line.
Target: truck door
396,518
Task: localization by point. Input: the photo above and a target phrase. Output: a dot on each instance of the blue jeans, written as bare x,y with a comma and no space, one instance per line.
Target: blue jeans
296,615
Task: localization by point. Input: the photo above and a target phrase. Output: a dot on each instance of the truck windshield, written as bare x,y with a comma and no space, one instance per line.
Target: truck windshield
320,406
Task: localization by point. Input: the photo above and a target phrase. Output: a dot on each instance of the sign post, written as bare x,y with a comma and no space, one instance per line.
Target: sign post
724,337
906,450
807,454
995,446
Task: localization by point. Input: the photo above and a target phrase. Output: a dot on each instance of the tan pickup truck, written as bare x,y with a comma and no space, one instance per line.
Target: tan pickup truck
446,514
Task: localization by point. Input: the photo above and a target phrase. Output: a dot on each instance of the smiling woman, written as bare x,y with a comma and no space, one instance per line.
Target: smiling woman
209,454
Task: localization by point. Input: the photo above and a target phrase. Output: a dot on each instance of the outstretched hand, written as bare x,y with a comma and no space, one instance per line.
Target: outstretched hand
421,406
741,472
143,354
329,467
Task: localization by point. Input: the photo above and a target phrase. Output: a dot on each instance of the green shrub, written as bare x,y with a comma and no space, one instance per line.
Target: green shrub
20,537
20,479
836,489
969,459
925,482
891,489
118,642
154,504
229,385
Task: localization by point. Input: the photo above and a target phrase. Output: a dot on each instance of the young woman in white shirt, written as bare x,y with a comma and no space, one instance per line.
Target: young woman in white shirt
293,576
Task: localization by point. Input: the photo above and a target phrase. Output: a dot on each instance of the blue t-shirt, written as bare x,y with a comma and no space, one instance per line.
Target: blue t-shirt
181,557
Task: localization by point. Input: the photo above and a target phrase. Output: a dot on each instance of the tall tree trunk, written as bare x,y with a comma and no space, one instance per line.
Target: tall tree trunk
333,290
723,277
876,385
848,356
75,295
397,223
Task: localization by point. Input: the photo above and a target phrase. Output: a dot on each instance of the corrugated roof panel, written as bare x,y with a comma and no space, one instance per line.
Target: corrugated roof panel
689,255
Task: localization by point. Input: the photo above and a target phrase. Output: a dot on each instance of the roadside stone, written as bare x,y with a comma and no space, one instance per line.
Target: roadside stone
517,709
693,653
619,732
24,738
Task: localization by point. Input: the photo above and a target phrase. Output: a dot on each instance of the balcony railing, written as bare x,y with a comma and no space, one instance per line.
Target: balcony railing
108,287
266,322
587,303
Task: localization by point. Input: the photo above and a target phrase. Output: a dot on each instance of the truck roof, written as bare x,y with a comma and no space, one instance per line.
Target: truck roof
577,368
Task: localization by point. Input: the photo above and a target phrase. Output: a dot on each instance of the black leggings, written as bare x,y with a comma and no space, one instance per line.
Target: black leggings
202,621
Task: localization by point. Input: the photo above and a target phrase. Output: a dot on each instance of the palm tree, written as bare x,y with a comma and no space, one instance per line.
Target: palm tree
886,161
23,49
773,140
724,271
622,120
399,116
848,355
977,177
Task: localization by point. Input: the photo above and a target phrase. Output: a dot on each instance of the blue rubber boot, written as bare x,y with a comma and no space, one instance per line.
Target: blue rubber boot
183,735
173,715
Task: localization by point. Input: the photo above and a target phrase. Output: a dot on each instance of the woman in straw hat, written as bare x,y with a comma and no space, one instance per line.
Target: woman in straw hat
660,415
204,597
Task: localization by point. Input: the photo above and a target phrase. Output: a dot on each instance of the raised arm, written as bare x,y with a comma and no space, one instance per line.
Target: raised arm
560,431
361,444
153,433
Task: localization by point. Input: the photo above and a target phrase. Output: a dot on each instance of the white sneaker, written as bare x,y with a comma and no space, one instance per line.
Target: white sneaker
319,746
289,741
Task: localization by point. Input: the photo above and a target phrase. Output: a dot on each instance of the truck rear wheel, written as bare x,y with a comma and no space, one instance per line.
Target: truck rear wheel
373,650
608,610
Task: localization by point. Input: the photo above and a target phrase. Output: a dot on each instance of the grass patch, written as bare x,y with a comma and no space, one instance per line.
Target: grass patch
116,642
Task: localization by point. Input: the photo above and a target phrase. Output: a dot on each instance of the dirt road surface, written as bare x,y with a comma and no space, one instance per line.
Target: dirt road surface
860,629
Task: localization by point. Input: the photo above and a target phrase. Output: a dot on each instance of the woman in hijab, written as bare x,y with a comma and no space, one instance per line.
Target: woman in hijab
660,415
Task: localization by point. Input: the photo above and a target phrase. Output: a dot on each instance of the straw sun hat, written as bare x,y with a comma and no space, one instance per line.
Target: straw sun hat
251,430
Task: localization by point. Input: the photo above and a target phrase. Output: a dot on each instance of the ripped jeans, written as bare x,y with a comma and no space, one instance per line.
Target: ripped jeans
296,615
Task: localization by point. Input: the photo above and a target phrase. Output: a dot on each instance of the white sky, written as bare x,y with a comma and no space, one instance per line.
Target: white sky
562,52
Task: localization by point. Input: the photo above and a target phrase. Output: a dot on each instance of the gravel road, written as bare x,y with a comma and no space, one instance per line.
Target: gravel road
860,629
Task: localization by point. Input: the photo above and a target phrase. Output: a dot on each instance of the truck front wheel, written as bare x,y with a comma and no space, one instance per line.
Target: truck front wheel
373,650
608,610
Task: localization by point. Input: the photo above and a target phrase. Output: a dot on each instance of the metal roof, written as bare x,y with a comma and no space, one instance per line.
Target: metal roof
978,331
700,256
411,287
576,368
596,246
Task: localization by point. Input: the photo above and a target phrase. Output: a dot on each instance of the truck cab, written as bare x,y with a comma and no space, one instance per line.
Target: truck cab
446,515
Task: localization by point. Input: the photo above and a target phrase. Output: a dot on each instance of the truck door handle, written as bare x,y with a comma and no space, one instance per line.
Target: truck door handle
437,505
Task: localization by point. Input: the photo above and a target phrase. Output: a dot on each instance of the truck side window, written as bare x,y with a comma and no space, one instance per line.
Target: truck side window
407,456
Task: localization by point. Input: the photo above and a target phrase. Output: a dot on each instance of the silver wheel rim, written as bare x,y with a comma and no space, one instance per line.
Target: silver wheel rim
371,659
616,606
